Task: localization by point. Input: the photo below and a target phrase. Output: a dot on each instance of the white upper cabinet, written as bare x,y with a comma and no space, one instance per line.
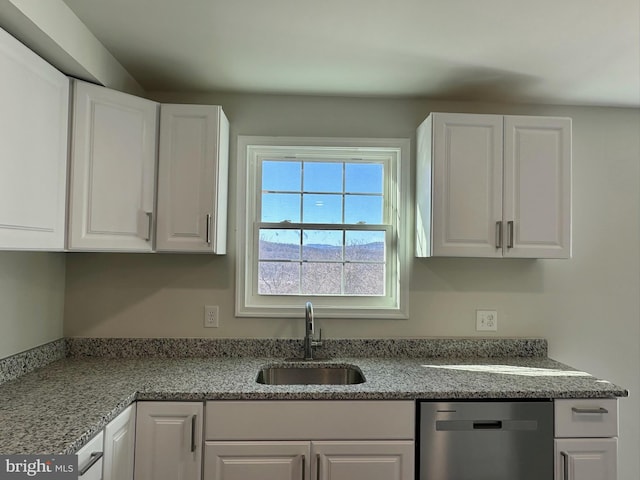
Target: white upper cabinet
493,186
537,187
34,113
192,179
113,171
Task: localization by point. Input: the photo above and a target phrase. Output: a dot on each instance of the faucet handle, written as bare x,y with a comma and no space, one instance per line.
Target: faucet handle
318,342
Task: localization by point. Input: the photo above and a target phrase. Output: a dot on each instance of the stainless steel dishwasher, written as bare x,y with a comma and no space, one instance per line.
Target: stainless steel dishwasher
486,440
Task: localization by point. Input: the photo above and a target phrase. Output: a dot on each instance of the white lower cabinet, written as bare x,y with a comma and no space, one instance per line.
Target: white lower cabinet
119,444
586,458
169,441
256,460
316,440
320,460
365,460
90,458
586,444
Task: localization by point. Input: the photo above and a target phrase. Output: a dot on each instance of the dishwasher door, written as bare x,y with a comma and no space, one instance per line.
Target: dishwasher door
486,440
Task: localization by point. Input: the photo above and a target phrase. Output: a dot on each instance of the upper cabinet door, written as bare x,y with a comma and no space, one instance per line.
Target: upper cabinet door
467,184
113,165
537,187
34,113
192,179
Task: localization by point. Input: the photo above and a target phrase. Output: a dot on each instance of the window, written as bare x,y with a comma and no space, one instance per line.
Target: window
322,220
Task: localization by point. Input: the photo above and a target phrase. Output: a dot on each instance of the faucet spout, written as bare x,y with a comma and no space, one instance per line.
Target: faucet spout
309,329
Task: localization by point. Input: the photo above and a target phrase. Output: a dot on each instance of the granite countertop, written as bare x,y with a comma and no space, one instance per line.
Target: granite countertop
58,408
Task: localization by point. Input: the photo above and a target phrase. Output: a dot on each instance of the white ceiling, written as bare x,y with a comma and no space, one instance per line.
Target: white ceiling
581,52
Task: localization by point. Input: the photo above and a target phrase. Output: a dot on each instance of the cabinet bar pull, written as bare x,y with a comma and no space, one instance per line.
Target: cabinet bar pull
318,466
208,229
498,234
589,411
95,456
510,228
193,433
304,466
150,216
565,465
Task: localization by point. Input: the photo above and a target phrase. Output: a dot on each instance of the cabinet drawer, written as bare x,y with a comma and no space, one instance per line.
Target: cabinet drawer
586,418
312,419
88,467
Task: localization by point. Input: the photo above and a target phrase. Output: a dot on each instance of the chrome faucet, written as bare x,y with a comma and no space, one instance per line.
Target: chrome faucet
309,329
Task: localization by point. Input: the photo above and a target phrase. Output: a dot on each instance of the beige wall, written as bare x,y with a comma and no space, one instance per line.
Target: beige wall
587,307
31,300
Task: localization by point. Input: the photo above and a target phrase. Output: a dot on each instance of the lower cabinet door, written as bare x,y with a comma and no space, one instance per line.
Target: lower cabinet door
586,458
168,441
119,444
256,460
363,460
90,459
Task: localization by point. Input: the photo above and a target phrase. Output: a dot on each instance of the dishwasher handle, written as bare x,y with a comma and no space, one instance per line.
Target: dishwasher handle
484,425
487,425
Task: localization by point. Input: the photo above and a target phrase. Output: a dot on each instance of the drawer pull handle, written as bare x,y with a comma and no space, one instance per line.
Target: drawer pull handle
498,235
589,411
193,433
95,456
304,466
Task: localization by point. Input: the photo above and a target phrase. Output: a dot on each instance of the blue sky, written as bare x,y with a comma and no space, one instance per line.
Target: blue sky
325,180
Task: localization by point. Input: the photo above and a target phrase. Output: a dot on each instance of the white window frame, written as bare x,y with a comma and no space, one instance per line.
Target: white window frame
394,305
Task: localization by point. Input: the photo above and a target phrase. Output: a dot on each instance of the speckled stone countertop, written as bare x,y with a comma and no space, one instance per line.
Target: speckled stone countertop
58,408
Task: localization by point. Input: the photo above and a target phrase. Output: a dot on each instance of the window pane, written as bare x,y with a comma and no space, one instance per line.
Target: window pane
363,209
363,177
322,177
364,279
364,247
322,208
279,244
321,278
278,278
281,176
322,245
280,207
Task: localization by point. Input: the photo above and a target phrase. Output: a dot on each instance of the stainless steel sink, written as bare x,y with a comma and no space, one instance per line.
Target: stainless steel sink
310,375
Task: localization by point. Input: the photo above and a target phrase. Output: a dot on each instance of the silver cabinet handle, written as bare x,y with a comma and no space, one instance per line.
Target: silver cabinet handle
589,411
510,229
193,433
565,465
150,216
95,456
208,229
318,467
498,234
304,466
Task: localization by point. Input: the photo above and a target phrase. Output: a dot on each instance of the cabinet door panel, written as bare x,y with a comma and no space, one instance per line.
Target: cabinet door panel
256,460
192,179
537,186
168,441
119,444
33,149
467,184
586,459
371,460
113,168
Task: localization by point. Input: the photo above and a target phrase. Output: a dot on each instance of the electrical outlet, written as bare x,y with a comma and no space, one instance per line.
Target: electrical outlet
486,320
211,316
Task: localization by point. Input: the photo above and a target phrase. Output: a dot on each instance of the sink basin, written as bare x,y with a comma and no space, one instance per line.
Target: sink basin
310,375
